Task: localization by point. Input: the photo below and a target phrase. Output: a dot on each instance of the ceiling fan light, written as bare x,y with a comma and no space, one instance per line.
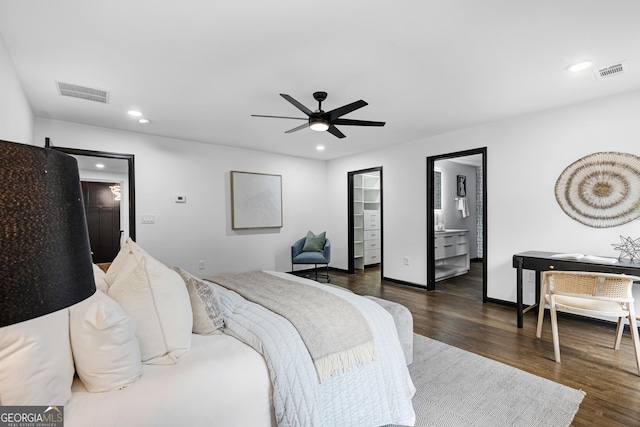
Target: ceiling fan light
319,125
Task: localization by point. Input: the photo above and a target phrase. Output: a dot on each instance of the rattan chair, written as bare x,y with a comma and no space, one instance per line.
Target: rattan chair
591,295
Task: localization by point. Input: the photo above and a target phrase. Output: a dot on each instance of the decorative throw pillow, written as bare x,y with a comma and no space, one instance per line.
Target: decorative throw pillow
155,297
36,366
128,257
104,344
99,277
314,243
205,304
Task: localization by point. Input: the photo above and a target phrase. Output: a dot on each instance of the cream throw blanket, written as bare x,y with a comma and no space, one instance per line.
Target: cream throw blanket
335,333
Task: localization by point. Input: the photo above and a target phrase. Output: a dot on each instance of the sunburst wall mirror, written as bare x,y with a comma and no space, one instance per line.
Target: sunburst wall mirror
601,190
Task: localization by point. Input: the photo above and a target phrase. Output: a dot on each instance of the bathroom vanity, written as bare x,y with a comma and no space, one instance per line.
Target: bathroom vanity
451,249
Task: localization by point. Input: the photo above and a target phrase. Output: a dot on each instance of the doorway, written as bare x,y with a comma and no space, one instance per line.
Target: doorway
365,214
457,194
124,171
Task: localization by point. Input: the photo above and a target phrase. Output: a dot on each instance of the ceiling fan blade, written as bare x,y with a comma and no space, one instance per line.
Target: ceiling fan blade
280,117
297,104
351,122
306,125
334,131
338,112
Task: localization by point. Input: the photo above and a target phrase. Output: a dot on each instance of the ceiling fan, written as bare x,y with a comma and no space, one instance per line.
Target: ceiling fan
320,120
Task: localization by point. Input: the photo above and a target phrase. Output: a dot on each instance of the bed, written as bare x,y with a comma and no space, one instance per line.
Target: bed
219,381
256,370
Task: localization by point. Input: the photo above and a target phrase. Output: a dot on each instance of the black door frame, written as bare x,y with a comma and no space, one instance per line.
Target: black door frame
350,231
130,158
431,274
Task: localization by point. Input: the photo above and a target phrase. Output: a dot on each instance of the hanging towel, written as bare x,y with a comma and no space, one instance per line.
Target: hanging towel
463,206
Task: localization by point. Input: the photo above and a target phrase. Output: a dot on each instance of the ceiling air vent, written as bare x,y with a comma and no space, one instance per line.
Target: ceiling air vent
612,70
83,92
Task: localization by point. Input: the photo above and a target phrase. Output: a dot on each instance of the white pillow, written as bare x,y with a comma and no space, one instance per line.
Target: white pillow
99,277
156,298
36,366
128,257
205,304
104,344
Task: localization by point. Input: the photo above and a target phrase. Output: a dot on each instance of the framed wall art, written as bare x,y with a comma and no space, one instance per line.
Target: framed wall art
462,186
256,200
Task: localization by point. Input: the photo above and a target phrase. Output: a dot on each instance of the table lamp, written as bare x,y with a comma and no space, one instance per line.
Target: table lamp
45,255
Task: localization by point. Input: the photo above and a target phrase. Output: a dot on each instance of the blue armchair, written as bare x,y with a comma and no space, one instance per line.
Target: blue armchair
315,257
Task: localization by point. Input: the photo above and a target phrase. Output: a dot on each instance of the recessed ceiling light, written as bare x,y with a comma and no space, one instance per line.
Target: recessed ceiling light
143,121
135,113
580,66
100,165
320,148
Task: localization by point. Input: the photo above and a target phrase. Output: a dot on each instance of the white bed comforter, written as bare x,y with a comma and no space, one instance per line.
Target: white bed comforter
374,394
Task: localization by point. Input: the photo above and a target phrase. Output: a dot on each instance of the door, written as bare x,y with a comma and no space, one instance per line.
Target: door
102,208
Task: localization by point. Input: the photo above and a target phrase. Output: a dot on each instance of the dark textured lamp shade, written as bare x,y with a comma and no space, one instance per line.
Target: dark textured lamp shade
45,256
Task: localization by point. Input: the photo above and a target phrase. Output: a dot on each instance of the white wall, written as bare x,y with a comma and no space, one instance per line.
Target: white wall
525,156
16,117
201,228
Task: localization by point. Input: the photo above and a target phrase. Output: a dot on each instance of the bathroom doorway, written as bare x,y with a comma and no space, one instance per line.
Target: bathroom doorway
457,222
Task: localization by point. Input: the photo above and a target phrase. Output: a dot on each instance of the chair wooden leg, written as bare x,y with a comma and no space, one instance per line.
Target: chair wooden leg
554,329
633,325
540,317
619,331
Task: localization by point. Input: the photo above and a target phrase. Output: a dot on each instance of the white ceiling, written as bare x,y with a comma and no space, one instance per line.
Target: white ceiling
198,69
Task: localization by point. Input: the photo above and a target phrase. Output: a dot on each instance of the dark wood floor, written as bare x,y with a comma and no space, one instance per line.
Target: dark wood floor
467,285
459,318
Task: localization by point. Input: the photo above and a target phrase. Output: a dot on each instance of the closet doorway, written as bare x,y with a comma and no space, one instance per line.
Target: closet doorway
365,236
457,222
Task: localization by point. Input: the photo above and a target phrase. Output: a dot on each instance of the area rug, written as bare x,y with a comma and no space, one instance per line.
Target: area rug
459,388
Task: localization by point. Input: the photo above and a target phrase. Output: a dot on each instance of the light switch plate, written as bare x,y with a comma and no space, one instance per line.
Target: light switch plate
148,219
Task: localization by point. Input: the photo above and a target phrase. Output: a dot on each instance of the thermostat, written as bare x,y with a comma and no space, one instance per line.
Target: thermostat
181,198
